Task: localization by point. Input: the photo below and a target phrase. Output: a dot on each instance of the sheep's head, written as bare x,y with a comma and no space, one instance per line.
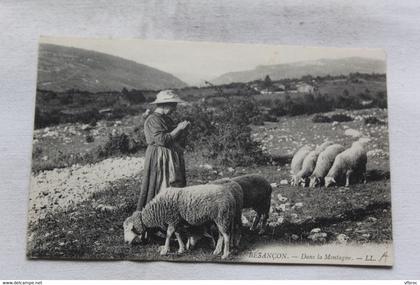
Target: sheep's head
330,181
134,229
315,182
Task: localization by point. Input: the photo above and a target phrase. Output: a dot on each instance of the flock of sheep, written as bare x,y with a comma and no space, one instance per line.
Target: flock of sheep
219,203
329,164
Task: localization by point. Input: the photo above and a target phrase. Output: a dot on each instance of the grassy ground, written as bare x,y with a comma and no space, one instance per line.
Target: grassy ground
87,232
361,212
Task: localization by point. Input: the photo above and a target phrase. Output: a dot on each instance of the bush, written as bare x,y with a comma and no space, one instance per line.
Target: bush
373,121
341,118
89,138
224,135
318,118
118,144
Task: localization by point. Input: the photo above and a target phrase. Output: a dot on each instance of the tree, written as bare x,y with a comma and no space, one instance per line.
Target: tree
267,82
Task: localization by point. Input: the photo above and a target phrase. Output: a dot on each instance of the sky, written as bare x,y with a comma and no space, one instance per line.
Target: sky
195,62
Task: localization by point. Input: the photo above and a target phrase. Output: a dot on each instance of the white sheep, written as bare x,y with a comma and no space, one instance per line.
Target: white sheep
323,146
255,193
351,162
195,205
309,163
297,161
308,167
323,164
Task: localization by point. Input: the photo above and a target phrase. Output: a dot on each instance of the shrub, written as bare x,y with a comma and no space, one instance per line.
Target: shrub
373,121
120,144
223,135
318,118
89,138
341,118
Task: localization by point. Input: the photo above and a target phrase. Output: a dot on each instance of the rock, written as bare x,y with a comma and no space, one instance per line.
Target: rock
274,185
85,127
371,219
281,198
206,166
105,208
284,182
315,230
342,238
283,207
295,237
231,169
297,205
376,153
335,123
352,133
318,237
364,140
366,235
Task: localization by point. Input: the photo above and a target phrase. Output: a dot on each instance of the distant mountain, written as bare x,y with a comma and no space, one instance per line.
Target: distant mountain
319,67
61,68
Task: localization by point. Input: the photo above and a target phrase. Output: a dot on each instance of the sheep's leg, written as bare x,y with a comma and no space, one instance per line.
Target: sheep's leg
238,236
219,245
263,223
255,222
348,174
226,250
364,181
213,242
169,233
180,242
188,245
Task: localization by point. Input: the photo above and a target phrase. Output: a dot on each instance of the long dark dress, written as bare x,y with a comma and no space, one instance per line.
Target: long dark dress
164,164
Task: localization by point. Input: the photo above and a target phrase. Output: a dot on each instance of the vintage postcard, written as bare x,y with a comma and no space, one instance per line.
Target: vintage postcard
210,152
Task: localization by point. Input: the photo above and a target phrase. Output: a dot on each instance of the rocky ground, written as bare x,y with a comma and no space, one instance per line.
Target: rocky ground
58,189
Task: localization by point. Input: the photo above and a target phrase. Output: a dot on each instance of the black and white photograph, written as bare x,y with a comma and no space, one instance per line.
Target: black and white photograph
155,150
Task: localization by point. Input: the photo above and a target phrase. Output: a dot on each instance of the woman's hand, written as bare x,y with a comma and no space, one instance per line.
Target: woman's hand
179,128
183,125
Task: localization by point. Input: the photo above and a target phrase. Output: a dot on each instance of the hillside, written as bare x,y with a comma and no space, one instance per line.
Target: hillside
62,68
320,67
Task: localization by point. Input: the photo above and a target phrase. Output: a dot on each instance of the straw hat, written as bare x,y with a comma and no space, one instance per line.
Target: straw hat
167,96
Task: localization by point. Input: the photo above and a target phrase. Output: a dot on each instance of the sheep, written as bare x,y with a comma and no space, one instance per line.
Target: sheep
309,163
297,160
323,146
195,205
350,162
256,195
323,164
237,192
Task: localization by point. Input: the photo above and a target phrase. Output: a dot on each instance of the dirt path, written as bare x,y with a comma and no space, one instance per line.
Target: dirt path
59,188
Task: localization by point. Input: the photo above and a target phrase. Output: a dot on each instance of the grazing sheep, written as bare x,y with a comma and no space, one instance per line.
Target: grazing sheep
297,161
323,164
351,162
308,167
255,194
195,205
323,146
308,164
